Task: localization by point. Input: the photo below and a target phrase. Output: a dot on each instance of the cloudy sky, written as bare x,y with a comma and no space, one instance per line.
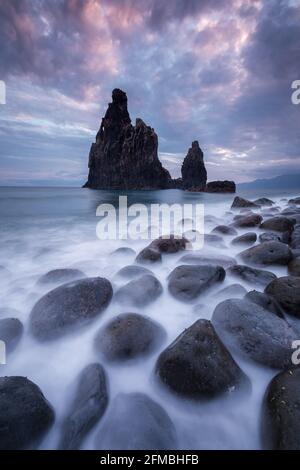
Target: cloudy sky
219,71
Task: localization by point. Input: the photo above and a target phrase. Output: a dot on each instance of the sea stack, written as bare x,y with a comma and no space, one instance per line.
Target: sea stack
125,156
194,175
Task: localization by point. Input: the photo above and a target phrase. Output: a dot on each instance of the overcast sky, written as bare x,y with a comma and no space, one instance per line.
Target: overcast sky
219,71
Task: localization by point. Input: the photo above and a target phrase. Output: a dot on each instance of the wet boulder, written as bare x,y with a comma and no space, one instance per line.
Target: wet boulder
213,239
240,202
280,424
225,230
140,292
61,276
214,260
254,276
294,267
197,365
249,329
186,282
129,336
69,307
278,224
265,301
25,414
269,237
295,200
87,407
169,245
251,220
11,330
136,422
148,256
286,290
246,239
132,272
232,291
267,253
264,201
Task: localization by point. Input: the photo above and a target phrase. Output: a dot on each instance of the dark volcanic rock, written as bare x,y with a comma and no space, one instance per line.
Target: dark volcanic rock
193,170
25,414
11,331
129,336
220,187
251,220
169,245
295,237
135,422
186,282
140,292
197,365
69,306
253,276
87,407
294,267
295,200
125,156
214,260
232,291
132,272
250,329
245,239
241,202
225,230
278,224
267,253
281,412
149,255
269,237
264,201
265,301
286,290
60,276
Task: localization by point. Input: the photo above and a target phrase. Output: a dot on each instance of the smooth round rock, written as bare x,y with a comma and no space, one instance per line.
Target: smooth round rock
265,301
240,202
140,292
87,407
245,239
133,271
136,422
197,365
267,253
254,276
148,256
286,290
264,201
278,224
269,237
232,291
214,260
129,336
186,282
25,414
11,330
225,230
251,220
294,267
249,329
69,307
169,245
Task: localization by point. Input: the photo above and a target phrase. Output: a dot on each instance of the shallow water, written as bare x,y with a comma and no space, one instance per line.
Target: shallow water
49,228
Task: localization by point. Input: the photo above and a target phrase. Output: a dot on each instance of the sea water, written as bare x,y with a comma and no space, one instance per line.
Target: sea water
49,228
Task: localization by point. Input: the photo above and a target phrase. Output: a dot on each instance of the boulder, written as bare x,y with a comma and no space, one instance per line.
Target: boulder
213,239
269,237
264,201
186,282
258,277
251,220
140,292
280,424
232,291
61,276
132,272
265,301
220,187
136,422
239,202
246,239
225,230
267,253
69,307
286,290
214,260
193,170
148,256
249,329
25,414
11,330
197,365
169,245
87,407
295,200
278,224
294,267
129,336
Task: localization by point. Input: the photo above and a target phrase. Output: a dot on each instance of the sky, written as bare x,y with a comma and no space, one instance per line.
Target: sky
216,71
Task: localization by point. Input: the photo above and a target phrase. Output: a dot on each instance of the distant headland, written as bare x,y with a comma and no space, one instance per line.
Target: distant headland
126,157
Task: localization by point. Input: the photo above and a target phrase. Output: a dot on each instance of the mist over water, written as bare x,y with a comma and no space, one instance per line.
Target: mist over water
49,228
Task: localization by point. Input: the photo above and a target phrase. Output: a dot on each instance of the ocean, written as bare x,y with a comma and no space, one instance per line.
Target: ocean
49,228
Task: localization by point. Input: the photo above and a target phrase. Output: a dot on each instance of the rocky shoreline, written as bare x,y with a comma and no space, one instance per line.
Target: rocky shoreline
257,323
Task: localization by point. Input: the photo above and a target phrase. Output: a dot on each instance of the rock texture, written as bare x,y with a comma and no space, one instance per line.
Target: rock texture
125,156
220,187
193,170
